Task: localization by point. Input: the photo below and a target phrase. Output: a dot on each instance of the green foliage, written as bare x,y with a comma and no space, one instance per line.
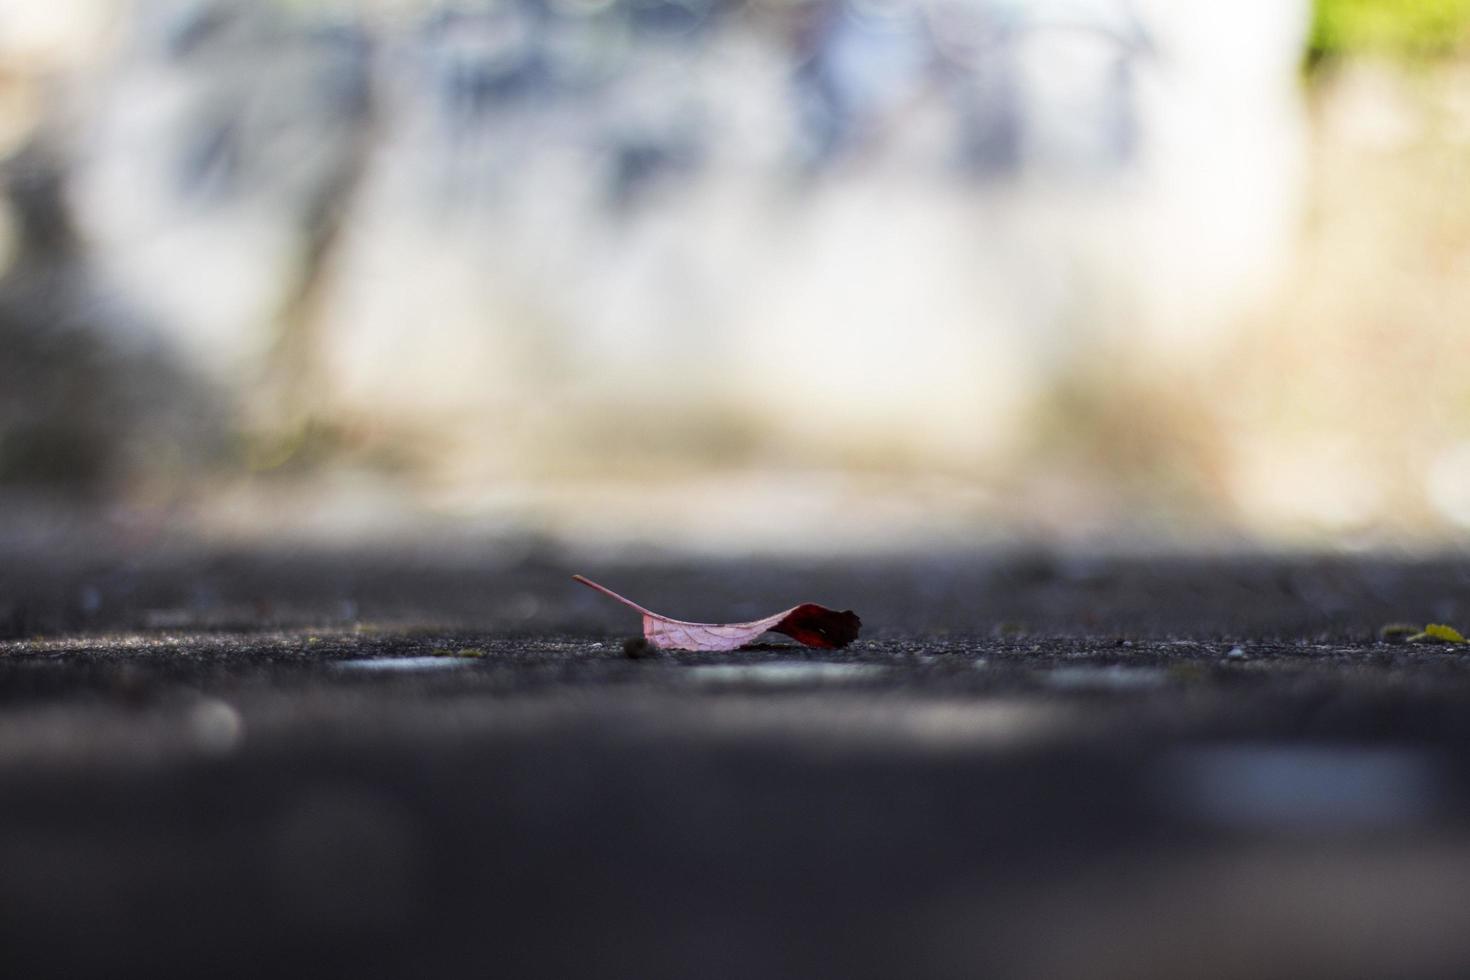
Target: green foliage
1411,29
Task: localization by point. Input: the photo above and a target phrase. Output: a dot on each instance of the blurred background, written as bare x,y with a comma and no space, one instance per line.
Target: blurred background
737,275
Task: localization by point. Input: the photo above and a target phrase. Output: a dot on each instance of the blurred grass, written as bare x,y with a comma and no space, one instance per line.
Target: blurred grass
1412,30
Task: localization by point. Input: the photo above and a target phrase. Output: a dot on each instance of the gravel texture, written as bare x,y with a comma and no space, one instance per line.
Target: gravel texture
413,763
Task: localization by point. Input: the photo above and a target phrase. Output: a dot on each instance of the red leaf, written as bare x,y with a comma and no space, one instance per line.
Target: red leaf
808,623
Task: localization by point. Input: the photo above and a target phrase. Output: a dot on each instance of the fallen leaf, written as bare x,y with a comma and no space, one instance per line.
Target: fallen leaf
808,623
1441,633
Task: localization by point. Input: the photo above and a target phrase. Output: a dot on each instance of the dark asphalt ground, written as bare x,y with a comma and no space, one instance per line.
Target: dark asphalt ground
380,763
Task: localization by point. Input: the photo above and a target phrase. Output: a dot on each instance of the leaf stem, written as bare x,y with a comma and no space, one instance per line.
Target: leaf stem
613,595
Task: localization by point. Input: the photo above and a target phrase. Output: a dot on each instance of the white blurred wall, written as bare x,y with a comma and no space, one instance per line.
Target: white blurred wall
875,237
890,296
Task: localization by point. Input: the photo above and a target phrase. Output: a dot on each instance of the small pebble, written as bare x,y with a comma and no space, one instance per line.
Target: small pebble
638,648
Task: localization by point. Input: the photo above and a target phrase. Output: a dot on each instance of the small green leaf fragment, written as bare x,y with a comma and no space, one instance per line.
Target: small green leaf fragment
1438,633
